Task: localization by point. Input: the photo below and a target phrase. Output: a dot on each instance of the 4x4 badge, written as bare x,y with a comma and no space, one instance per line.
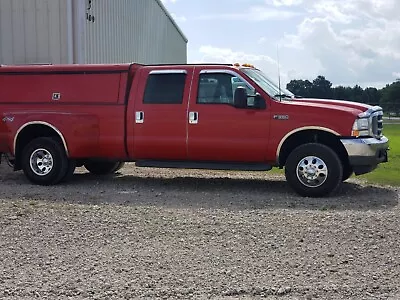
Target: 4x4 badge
8,119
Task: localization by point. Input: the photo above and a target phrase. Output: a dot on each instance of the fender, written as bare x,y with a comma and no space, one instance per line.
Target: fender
278,150
40,123
79,132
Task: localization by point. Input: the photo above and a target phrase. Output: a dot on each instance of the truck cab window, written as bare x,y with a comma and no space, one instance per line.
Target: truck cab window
219,88
236,82
215,88
165,88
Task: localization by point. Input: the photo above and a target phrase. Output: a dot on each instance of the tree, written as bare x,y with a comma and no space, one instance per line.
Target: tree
321,88
300,87
357,93
387,97
391,97
371,96
342,93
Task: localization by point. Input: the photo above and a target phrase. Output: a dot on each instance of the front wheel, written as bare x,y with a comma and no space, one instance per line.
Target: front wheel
347,172
314,170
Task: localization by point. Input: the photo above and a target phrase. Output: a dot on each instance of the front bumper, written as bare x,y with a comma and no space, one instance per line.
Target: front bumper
366,153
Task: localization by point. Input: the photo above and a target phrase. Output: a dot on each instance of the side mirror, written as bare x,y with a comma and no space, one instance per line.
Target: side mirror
242,100
240,97
259,102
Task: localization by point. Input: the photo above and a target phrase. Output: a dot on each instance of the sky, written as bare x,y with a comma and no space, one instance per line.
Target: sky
348,41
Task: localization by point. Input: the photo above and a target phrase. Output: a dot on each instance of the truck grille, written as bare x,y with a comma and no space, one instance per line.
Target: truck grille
377,124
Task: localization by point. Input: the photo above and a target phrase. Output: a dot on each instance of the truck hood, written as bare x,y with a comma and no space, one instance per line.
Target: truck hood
361,107
312,112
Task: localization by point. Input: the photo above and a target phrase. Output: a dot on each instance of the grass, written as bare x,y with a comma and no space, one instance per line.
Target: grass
388,173
392,121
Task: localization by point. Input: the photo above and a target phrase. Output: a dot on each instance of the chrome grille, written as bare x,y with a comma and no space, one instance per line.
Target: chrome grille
377,124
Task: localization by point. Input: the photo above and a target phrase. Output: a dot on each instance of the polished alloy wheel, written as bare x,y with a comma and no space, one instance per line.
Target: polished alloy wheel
312,171
41,162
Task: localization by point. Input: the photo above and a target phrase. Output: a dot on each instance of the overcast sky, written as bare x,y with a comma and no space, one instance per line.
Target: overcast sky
348,41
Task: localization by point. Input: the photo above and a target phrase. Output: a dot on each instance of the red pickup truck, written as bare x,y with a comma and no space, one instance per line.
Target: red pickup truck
55,118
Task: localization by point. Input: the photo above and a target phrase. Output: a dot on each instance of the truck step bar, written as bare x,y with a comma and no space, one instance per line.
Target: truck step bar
234,166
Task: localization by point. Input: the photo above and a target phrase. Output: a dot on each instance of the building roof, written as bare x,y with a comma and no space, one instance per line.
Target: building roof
172,20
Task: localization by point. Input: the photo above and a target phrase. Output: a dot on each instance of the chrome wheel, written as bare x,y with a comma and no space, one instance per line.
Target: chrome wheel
312,171
41,162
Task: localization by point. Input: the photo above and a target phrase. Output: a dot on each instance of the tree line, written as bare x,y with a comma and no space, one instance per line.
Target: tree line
387,97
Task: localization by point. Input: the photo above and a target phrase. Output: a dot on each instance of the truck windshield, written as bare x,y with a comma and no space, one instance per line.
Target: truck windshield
270,87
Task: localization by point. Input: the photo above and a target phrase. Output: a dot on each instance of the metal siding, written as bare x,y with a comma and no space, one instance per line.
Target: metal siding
33,31
132,31
6,32
36,31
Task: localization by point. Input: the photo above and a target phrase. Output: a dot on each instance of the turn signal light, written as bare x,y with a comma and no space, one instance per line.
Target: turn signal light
359,133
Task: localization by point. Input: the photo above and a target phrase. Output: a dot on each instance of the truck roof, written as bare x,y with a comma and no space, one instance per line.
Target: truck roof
85,68
67,68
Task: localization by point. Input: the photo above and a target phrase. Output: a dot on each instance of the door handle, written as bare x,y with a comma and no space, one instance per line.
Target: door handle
139,117
193,117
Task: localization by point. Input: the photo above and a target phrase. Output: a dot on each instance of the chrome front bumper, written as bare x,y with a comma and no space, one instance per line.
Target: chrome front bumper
365,154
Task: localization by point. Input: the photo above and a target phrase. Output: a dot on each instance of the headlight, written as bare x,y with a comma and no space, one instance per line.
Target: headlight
360,127
361,124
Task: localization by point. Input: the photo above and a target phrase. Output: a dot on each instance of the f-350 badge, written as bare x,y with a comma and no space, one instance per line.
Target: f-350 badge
281,117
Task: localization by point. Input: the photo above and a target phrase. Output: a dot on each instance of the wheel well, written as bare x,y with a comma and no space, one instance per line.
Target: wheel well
28,134
312,136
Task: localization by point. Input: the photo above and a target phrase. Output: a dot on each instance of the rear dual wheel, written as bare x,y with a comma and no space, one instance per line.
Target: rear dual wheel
314,170
101,167
45,162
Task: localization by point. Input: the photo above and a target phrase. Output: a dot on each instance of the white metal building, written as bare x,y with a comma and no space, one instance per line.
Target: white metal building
89,31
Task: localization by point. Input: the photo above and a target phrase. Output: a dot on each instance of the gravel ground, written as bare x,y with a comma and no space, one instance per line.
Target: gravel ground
185,234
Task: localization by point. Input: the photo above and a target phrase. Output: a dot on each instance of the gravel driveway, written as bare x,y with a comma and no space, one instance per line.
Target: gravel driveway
185,234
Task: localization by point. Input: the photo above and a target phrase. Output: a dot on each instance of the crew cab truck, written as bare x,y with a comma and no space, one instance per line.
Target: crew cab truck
55,118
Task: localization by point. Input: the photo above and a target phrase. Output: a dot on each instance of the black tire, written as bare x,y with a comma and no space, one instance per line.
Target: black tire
70,171
120,165
80,163
99,167
319,185
347,172
36,172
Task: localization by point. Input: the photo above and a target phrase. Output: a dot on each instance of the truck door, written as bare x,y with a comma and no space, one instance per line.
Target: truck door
160,113
217,130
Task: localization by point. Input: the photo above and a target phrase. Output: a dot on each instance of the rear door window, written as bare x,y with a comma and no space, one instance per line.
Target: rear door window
164,88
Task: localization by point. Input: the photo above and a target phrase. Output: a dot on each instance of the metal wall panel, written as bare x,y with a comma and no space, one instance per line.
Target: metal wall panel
33,31
132,31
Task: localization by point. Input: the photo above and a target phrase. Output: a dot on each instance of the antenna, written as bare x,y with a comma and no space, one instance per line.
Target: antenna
279,72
